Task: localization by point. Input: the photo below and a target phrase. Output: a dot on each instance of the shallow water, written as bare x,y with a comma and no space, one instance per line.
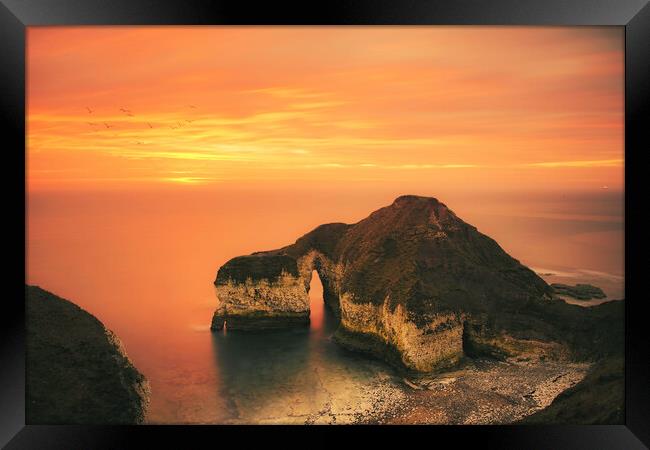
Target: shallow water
293,376
143,263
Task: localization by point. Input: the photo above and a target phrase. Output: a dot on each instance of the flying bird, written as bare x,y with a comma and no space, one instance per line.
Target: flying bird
90,111
149,125
191,106
107,125
124,110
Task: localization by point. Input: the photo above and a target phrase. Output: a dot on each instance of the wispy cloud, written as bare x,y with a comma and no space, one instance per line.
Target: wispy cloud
392,166
577,164
331,105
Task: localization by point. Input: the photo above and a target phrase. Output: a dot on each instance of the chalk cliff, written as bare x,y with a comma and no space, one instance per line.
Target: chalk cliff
411,283
77,371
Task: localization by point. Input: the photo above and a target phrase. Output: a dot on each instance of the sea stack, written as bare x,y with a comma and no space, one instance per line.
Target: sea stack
77,371
411,283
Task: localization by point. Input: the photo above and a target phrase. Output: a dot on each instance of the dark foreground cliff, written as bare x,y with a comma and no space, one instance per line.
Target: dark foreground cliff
600,397
413,284
76,370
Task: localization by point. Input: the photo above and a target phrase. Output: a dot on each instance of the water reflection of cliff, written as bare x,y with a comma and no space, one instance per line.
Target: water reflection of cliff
258,369
264,373
288,376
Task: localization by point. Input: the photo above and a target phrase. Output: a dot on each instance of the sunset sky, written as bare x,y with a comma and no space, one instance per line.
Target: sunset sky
498,107
156,154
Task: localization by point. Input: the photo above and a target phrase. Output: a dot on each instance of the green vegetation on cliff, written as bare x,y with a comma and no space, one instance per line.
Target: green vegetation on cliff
256,267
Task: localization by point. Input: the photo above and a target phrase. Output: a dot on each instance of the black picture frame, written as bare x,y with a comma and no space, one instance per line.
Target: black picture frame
16,15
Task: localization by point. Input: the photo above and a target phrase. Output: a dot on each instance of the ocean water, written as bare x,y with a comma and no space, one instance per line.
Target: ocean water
143,262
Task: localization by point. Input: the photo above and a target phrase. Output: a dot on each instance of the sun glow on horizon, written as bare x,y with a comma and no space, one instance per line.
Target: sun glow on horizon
503,106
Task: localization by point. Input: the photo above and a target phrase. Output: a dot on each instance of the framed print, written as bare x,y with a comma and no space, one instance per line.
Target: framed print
357,217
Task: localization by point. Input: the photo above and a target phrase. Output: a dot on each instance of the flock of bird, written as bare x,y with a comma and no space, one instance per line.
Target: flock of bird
129,113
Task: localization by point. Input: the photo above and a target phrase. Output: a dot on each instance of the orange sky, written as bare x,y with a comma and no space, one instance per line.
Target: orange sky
492,107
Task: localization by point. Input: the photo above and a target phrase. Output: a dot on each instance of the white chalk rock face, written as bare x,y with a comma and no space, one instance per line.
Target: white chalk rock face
260,291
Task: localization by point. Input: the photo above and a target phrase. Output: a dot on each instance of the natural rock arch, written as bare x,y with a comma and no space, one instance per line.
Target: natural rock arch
265,290
411,283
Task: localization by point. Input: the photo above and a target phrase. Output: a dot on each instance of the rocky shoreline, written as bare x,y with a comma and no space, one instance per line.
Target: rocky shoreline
598,399
486,392
479,391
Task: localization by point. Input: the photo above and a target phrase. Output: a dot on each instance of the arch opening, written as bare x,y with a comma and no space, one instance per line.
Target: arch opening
321,317
316,302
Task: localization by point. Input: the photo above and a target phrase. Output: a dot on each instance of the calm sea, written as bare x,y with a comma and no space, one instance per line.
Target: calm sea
143,262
